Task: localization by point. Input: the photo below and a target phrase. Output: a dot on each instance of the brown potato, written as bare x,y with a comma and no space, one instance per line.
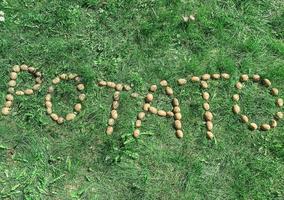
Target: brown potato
153,110
48,97
265,127
178,124
63,76
146,106
162,113
179,134
178,116
170,114
208,116
273,123
236,97
82,97
244,78
16,68
13,75
60,120
134,95
111,84
141,115
279,102
70,116
225,76
56,80
205,96
114,114
50,89
9,97
206,106
256,78
236,109
149,97
244,118
48,104
182,81
138,123
31,69
12,83
266,82
116,95
176,109
111,121
119,87
274,91
5,111
175,102
36,87
11,90
136,133
109,130
8,104
78,107
28,91
209,125
80,87
169,91
279,115
115,105
204,84
102,83
210,135
20,93
153,88
215,76
239,85
205,77
164,83
49,110
24,67
253,126
54,116
195,79
127,87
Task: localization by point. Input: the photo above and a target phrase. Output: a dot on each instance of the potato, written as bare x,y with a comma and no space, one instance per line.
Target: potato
48,104
208,116
153,88
49,110
204,84
136,133
176,109
54,116
60,120
72,76
13,75
210,135
153,110
115,105
179,134
274,91
162,113
273,123
170,114
11,90
5,111
236,97
119,87
205,77
24,67
205,96
38,74
134,95
80,87
253,126
236,109
209,125
138,123
266,82
31,69
63,76
102,83
182,81
164,83
206,106
82,97
265,127
279,115
50,89
244,118
20,93
116,96
39,81
178,124
195,79
111,121
169,91
16,68
78,107
126,87
175,102
28,91
178,116
9,97
244,78
256,78
12,83
149,97
56,80
114,114
141,115
109,130
146,106
70,116
279,102
215,76
225,76
36,87
8,104
239,85
48,97
111,84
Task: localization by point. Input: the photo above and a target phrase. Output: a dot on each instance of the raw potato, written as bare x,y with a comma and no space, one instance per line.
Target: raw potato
216,76
36,87
274,91
115,105
236,97
265,127
239,85
11,90
266,82
20,93
138,123
80,87
111,121
78,107
102,83
116,95
205,96
24,67
210,135
48,104
153,88
162,113
195,79
109,130
149,97
153,110
54,116
244,78
56,80
28,91
273,123
279,102
111,84
134,95
127,87
82,97
119,87
136,133
13,75
178,116
31,69
164,83
63,76
225,76
50,89
169,91
179,134
176,109
175,102
178,124
208,116
146,106
245,119
256,77
209,125
70,116
60,120
5,111
16,68
182,81
38,74
204,84
8,104
205,77
49,110
12,83
38,80
72,76
48,97
206,106
236,109
9,97
170,114
279,115
141,115
114,114
253,126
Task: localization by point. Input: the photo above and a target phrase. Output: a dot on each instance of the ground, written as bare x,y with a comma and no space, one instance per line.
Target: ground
141,42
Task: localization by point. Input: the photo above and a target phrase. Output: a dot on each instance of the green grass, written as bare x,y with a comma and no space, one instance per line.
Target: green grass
141,42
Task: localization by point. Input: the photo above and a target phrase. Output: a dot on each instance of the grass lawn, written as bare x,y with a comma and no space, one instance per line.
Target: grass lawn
141,42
